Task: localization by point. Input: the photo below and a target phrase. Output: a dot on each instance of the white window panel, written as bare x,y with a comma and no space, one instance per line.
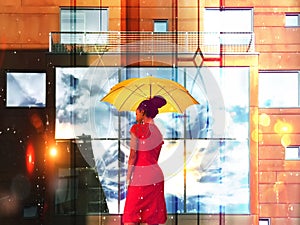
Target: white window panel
292,153
160,25
222,26
26,89
229,20
278,89
292,20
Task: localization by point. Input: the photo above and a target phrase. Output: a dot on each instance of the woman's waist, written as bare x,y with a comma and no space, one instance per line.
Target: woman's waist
145,175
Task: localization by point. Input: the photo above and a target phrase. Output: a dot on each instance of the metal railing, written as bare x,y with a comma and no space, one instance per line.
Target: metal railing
151,42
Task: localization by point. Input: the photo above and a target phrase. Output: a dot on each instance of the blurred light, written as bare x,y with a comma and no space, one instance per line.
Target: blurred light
255,117
281,127
255,135
30,158
53,152
286,140
264,120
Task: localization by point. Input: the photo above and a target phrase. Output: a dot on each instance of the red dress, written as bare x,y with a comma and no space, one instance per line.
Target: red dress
145,202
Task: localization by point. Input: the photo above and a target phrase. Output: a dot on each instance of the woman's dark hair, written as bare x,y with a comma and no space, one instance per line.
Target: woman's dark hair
152,105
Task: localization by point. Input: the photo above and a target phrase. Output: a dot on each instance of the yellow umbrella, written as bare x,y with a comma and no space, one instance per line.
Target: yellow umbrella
127,95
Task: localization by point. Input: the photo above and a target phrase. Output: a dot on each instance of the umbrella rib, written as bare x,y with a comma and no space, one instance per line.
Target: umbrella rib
167,92
133,92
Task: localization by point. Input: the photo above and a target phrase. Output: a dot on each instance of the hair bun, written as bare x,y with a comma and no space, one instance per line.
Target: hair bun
158,101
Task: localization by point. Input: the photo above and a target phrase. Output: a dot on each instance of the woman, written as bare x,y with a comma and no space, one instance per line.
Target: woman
145,202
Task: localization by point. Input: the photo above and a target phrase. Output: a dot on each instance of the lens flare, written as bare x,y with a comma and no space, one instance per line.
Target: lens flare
30,158
282,127
264,120
53,152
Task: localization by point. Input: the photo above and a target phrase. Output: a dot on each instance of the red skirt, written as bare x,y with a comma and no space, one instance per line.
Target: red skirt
145,204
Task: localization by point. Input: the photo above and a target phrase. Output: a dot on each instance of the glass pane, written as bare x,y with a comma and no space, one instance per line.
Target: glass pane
78,107
278,90
292,153
172,163
84,20
228,20
79,192
111,171
170,124
291,20
236,20
217,21
160,26
223,95
26,89
217,176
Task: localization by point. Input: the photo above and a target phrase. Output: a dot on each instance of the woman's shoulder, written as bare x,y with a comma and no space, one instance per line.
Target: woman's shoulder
134,128
141,130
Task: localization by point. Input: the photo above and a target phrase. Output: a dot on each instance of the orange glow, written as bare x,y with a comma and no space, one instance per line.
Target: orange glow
286,140
53,152
255,135
30,158
255,117
264,120
281,127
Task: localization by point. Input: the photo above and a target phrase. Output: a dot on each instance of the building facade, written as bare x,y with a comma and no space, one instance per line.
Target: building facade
234,159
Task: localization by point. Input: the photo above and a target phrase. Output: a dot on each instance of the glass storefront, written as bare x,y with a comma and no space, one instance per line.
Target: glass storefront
205,157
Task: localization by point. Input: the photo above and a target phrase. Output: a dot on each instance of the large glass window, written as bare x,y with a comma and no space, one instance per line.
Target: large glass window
205,157
279,89
86,22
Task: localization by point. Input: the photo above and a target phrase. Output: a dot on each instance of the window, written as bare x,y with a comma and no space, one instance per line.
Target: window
79,185
83,21
235,25
216,172
292,20
264,221
292,153
279,89
160,26
26,89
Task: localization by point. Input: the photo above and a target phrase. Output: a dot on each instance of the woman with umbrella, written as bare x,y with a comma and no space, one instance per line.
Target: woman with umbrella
145,202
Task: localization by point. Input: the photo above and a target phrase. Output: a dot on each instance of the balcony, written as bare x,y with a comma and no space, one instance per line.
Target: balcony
151,42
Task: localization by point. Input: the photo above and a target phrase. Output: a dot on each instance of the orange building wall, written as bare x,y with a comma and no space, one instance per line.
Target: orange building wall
22,23
275,185
279,179
26,24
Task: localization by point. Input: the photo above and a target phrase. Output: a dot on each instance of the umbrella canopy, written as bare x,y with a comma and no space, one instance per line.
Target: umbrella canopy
127,95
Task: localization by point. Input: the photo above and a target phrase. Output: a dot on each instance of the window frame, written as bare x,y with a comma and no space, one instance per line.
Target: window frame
164,21
42,83
83,35
221,34
106,145
290,148
292,15
279,106
232,10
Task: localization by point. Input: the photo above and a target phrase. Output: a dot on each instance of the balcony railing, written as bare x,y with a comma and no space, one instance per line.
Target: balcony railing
151,42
